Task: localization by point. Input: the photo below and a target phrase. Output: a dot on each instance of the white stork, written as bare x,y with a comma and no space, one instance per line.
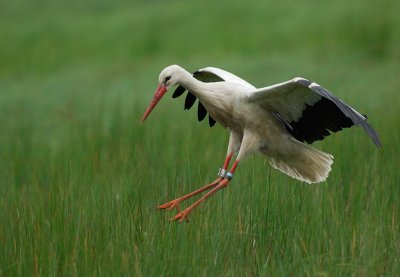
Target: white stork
276,121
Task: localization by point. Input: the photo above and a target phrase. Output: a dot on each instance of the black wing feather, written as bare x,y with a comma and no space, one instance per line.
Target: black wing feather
189,100
207,77
326,116
211,121
201,112
178,92
348,112
318,121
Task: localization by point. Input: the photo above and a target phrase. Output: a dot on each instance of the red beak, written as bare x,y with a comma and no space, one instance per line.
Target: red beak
161,90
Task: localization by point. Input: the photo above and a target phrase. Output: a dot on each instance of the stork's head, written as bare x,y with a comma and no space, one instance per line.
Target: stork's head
169,76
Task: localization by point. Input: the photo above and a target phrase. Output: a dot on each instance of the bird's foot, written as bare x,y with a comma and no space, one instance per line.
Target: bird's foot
183,215
175,203
170,205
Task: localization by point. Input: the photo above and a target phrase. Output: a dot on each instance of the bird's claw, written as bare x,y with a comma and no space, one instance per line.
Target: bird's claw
175,204
171,205
182,215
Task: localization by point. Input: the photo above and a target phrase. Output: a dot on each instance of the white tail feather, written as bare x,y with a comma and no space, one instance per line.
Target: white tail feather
307,164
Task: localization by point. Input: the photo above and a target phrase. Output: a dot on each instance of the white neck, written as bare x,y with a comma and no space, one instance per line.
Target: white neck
210,94
193,85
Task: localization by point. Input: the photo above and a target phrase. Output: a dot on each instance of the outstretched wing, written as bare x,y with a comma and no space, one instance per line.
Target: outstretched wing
213,74
308,111
207,75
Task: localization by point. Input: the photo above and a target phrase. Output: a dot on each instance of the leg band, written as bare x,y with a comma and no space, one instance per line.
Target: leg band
229,175
221,172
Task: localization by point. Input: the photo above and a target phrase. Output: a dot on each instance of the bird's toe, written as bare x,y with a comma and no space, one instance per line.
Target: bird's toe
182,216
170,205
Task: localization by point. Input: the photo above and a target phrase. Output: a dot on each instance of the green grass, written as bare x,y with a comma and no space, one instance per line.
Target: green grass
80,177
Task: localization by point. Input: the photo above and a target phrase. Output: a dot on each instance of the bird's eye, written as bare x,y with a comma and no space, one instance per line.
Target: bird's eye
167,78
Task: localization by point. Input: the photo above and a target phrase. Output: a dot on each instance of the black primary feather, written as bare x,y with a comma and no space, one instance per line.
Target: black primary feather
354,117
201,112
326,116
207,77
189,100
211,121
318,121
178,92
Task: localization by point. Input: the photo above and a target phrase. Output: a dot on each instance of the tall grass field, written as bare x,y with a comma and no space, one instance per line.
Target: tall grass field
80,177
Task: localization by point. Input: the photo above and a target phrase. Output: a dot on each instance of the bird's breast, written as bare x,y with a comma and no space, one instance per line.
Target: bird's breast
224,102
219,108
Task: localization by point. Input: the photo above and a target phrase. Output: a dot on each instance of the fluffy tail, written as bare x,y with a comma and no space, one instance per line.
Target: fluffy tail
304,163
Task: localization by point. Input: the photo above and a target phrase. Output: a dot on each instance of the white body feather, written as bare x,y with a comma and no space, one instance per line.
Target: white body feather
249,114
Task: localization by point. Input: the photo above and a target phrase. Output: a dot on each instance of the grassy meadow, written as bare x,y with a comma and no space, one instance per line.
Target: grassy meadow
80,177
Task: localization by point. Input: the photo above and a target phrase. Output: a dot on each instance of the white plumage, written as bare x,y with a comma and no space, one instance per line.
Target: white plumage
276,121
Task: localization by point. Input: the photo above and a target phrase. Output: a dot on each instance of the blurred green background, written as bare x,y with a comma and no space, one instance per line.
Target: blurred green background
80,177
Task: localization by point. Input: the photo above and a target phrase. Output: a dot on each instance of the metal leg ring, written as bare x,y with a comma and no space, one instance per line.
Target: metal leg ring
229,176
221,172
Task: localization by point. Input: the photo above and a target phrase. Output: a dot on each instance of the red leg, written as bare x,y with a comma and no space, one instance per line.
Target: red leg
175,203
183,215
